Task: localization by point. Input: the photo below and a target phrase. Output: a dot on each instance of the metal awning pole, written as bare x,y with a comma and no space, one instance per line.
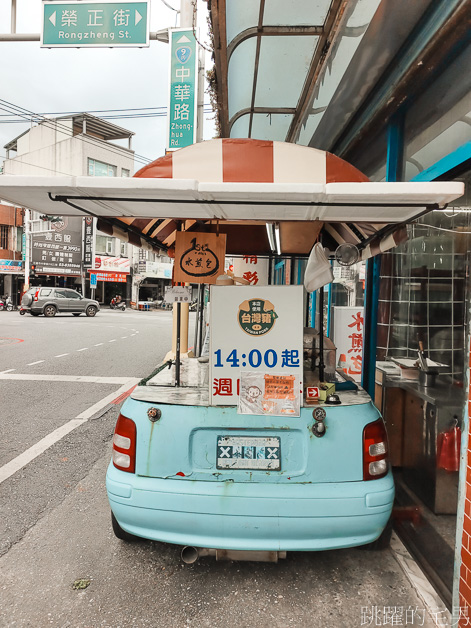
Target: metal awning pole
321,334
177,349
196,345
200,320
13,16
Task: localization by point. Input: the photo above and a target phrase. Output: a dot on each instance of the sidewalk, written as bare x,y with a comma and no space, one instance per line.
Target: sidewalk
146,584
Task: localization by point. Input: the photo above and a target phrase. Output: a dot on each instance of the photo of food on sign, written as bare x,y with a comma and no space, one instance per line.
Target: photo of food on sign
269,394
199,257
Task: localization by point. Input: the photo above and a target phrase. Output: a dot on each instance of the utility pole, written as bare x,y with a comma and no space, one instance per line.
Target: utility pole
27,243
186,13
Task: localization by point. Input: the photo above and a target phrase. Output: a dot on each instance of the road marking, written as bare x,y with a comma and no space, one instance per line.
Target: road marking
123,337
112,340
84,349
87,379
61,355
45,443
38,362
120,398
33,452
7,371
98,345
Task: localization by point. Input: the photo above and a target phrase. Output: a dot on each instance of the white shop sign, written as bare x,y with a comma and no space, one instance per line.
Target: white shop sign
348,338
252,268
256,329
177,294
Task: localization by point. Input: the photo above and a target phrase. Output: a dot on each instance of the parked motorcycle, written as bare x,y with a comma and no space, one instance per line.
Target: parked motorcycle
117,303
6,304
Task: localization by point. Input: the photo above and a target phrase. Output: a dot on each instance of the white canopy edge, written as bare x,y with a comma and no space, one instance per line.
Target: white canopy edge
158,198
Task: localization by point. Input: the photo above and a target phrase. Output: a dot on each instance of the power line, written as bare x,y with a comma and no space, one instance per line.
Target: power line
29,116
93,111
117,117
27,163
54,124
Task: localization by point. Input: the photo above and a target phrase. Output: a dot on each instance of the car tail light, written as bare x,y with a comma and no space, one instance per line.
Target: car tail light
124,444
36,295
375,451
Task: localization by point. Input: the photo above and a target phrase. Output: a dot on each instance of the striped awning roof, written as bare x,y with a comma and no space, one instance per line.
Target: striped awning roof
235,186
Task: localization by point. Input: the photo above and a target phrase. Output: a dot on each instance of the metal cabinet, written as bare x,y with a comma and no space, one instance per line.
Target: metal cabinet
425,417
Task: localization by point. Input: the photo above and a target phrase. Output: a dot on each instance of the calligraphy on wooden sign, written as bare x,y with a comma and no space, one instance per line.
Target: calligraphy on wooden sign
199,257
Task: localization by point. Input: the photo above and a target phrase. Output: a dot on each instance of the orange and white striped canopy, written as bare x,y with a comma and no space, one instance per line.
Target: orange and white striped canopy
236,186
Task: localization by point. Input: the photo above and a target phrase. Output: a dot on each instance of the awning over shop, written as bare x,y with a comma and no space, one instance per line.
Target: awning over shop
236,187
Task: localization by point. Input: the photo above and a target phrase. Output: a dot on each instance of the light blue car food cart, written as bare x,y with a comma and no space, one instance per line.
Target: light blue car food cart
258,446
232,461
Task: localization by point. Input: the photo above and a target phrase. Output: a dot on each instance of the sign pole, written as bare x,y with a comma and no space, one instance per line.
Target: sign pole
177,351
321,334
200,319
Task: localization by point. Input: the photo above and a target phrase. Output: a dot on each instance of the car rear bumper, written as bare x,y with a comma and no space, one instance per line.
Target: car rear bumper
251,516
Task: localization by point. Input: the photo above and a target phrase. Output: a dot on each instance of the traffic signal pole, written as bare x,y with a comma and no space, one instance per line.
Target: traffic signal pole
27,228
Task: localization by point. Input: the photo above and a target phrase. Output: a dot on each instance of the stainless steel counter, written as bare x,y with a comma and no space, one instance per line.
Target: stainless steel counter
427,412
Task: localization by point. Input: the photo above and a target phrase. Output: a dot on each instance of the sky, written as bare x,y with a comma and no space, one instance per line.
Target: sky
62,80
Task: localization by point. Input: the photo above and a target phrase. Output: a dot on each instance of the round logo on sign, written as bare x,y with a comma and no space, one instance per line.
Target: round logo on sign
60,225
256,316
199,260
183,53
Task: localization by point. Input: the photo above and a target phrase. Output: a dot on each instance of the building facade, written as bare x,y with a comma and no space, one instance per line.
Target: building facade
11,260
67,251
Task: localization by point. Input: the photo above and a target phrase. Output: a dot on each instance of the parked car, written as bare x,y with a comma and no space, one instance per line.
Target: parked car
48,301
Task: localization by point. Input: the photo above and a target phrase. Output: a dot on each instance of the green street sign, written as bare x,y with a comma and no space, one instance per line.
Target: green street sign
183,89
105,24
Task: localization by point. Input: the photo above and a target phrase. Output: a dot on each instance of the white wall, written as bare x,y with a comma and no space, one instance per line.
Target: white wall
50,149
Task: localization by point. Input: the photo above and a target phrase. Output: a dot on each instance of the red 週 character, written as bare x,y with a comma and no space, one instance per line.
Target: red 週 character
252,278
357,321
250,259
222,387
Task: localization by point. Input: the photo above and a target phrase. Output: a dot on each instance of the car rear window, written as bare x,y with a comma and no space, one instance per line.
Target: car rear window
45,292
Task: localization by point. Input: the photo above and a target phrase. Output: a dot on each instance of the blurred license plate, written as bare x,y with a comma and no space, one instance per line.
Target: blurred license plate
248,452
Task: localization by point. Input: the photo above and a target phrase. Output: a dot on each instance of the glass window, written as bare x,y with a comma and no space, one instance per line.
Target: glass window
4,237
125,172
71,294
60,294
104,244
19,239
99,169
45,292
429,293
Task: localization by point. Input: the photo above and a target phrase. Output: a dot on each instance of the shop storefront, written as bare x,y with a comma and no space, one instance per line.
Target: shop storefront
113,277
151,280
11,278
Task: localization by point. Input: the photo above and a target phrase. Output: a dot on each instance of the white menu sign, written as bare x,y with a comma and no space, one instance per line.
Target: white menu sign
348,338
257,329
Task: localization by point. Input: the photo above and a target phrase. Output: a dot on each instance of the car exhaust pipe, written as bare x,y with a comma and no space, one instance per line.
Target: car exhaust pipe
190,555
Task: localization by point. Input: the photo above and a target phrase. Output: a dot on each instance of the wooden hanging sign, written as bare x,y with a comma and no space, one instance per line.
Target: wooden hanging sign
199,257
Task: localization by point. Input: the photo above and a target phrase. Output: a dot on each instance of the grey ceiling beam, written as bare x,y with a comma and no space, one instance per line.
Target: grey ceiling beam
331,28
273,31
